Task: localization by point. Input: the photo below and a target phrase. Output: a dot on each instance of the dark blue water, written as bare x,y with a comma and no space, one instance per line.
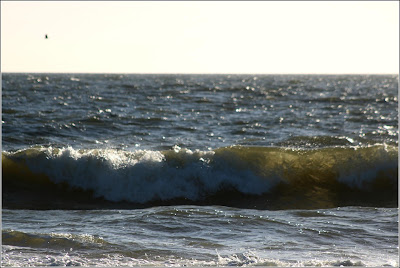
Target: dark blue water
197,111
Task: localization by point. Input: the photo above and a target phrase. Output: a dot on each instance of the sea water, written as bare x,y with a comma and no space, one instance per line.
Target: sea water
211,170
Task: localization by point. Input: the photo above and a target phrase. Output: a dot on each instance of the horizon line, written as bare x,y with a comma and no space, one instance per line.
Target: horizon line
198,73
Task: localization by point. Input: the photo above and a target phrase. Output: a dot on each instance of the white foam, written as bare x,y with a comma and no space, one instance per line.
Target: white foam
144,175
11,256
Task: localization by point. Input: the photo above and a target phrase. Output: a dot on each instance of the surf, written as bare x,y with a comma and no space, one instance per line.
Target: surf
239,176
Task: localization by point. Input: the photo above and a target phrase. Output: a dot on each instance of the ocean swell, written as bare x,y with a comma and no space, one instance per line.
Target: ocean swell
257,177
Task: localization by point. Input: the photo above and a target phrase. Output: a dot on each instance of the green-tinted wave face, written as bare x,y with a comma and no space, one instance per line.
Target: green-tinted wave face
356,166
255,177
324,177
52,240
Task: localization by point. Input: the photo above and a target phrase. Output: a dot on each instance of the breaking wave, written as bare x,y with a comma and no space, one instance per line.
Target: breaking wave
251,177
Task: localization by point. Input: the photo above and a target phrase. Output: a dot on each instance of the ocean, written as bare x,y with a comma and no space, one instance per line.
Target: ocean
199,170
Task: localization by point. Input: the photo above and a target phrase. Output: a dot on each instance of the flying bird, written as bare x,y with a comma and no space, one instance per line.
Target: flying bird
46,37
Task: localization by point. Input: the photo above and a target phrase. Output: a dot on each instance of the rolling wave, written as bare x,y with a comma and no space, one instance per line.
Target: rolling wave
251,177
51,240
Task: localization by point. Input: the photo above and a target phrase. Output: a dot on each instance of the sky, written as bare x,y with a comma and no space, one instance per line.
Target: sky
315,37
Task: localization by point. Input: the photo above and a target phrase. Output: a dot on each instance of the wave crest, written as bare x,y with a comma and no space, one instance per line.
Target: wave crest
259,177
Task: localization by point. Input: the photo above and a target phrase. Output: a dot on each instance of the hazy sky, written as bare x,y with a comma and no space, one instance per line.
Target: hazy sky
200,37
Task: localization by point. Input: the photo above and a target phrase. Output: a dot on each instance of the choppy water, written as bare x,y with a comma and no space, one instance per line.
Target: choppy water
192,235
197,111
106,169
